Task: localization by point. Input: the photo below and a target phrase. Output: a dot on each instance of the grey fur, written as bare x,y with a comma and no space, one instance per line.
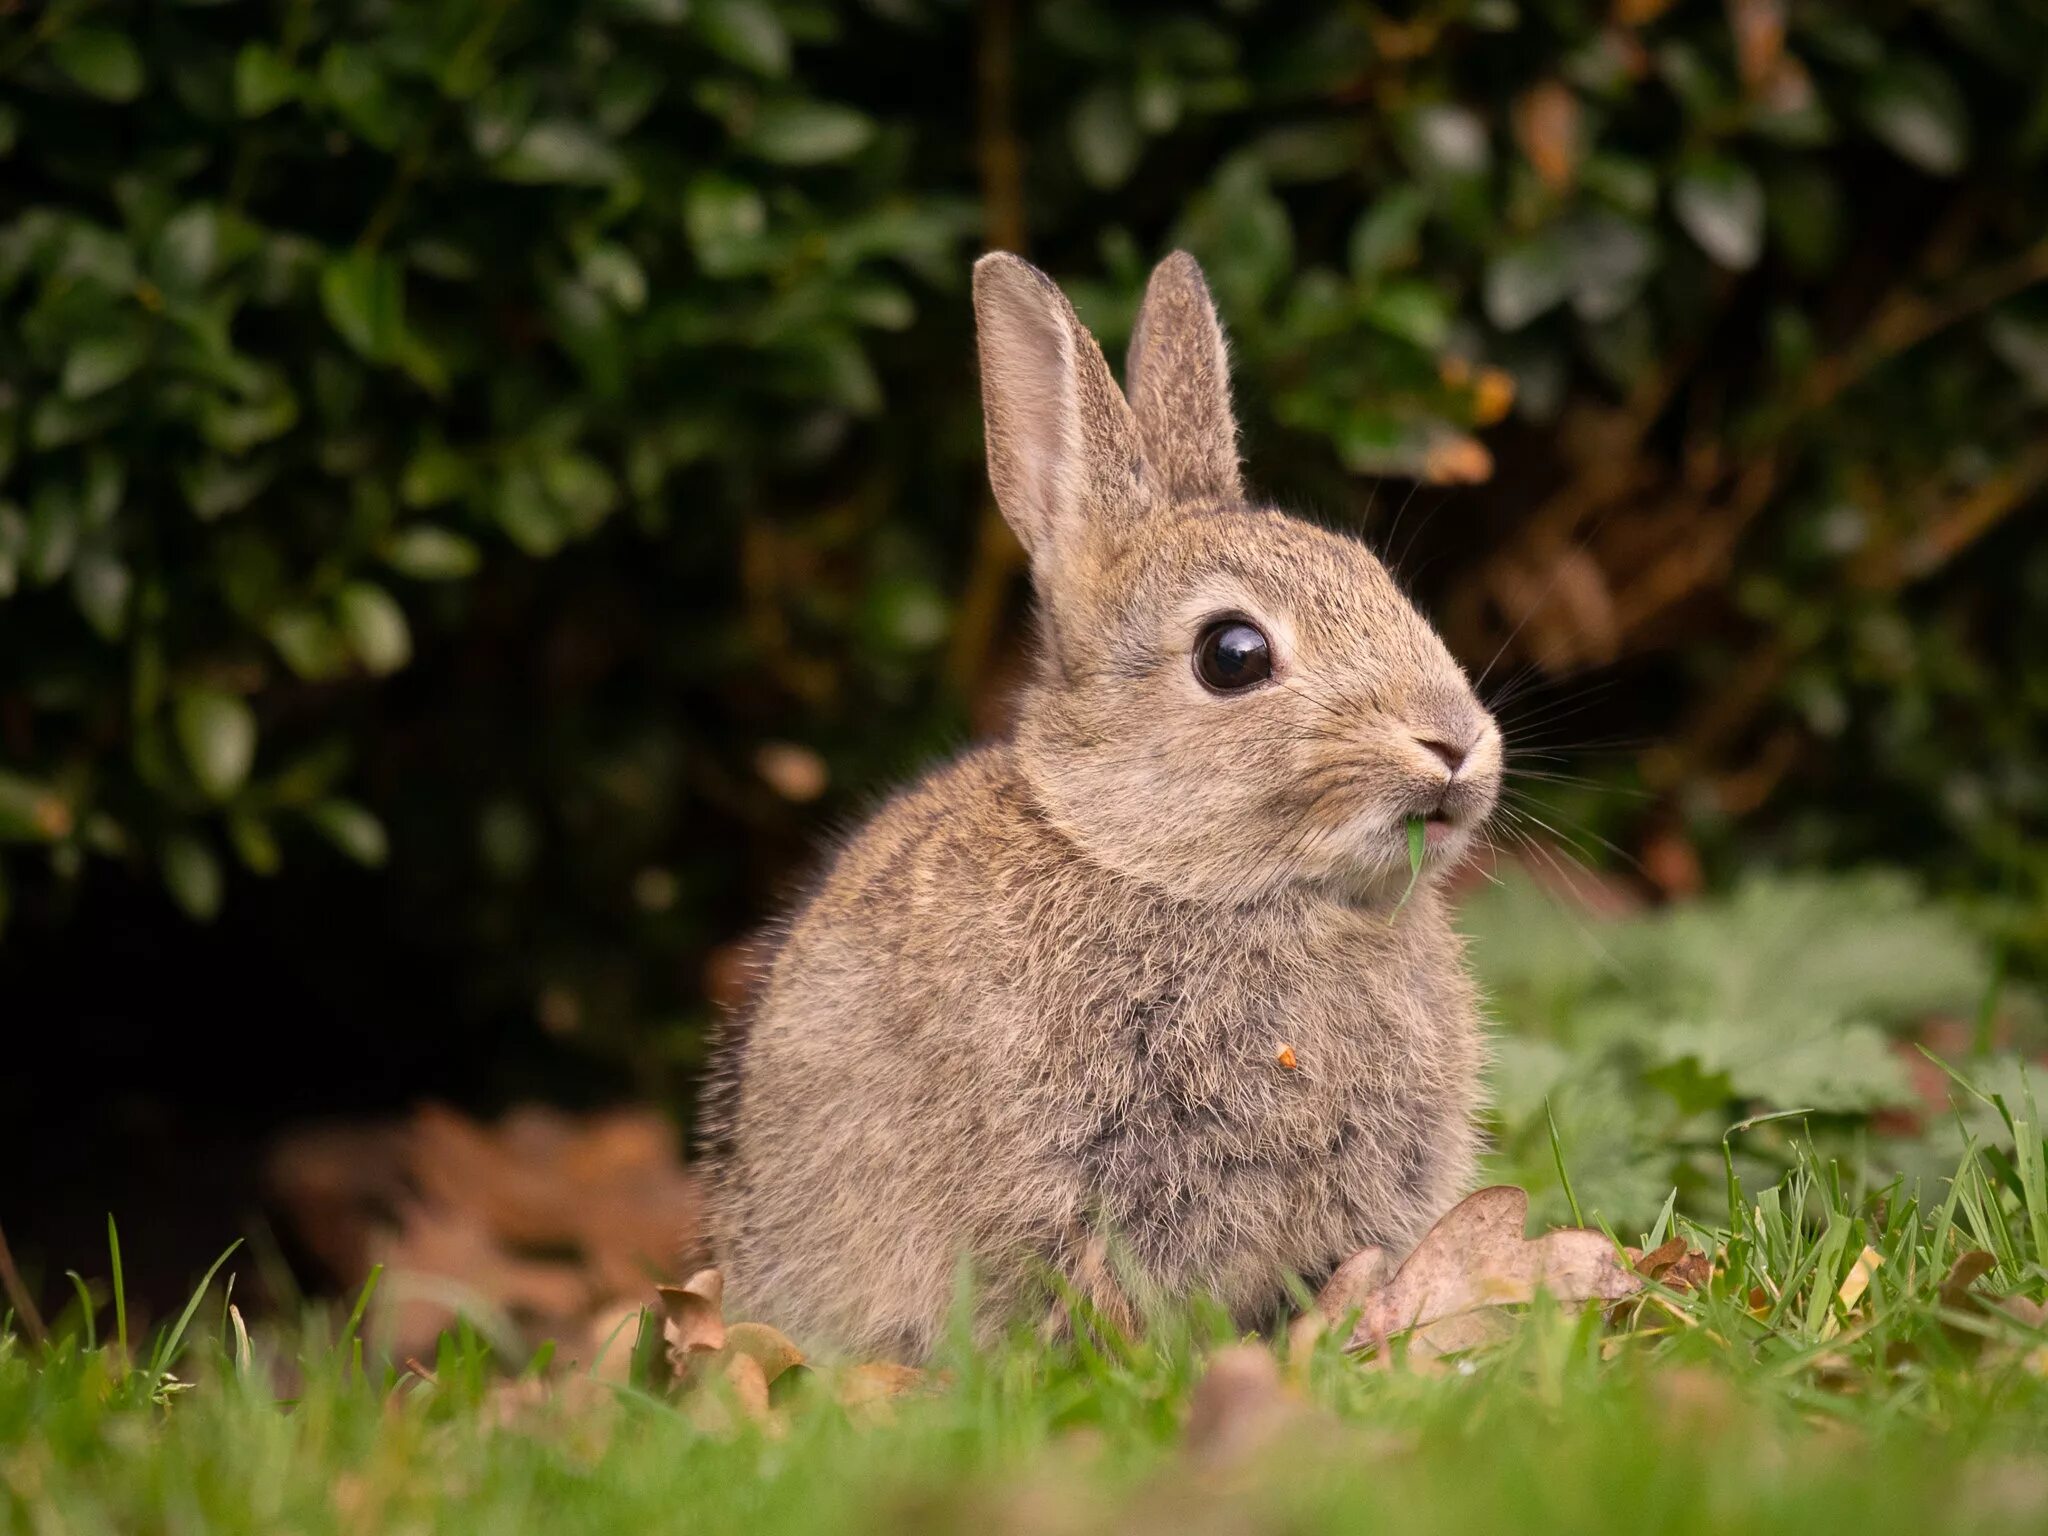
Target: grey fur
1033,1015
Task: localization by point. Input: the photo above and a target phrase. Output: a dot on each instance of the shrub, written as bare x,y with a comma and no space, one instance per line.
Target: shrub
536,445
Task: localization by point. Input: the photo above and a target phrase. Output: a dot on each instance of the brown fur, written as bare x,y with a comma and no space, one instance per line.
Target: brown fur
1032,1017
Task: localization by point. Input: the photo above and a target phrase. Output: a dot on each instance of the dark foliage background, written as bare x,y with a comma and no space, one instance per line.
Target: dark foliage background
484,486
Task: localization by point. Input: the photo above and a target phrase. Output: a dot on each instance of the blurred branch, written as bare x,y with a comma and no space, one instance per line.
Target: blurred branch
997,555
1905,320
17,1294
1724,715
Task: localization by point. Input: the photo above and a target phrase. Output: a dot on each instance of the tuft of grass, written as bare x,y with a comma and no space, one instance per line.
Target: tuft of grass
1821,1377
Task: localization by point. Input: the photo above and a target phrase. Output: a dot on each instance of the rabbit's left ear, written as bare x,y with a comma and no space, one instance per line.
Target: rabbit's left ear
1178,380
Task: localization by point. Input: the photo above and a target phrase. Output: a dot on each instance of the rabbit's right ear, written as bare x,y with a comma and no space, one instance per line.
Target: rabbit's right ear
1062,445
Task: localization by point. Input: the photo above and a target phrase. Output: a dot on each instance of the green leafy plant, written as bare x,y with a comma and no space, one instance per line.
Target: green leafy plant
467,440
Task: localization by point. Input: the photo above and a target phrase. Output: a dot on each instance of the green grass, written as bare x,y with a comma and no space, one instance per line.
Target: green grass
1800,1389
1762,1401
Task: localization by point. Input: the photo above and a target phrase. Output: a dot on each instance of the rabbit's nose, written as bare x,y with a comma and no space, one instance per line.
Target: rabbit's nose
1449,753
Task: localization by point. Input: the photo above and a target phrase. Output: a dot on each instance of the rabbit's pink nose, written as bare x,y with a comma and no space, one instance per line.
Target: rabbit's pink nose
1449,753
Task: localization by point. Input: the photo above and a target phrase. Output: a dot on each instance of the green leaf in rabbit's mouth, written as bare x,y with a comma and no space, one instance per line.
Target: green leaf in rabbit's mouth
1418,838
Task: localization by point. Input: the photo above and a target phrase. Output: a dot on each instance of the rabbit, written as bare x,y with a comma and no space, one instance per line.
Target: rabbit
1144,1001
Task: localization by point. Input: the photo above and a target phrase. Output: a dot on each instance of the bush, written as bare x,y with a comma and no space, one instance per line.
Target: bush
536,445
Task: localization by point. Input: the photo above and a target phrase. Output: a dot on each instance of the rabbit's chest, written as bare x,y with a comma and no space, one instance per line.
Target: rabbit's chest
1237,1124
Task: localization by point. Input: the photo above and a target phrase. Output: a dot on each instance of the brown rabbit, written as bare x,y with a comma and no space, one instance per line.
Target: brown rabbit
1133,997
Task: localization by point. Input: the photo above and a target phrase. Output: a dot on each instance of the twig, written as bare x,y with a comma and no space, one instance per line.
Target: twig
18,1294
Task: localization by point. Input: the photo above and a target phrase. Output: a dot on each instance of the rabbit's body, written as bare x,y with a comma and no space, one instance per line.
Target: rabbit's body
1053,1054
1133,998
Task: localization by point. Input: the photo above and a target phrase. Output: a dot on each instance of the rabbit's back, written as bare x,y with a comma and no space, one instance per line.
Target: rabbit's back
975,1042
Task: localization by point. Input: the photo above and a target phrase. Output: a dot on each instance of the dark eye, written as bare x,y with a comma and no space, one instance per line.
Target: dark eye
1232,655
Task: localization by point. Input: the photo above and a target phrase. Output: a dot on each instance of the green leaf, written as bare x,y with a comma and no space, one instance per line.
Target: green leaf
1918,112
187,251
1413,311
524,512
13,547
1387,233
55,524
100,362
1721,205
2022,345
263,81
218,734
746,32
364,297
101,587
1525,281
32,811
192,875
1105,136
581,487
100,59
309,644
807,132
353,829
725,220
612,271
1611,257
255,844
375,626
564,151
427,553
355,85
215,487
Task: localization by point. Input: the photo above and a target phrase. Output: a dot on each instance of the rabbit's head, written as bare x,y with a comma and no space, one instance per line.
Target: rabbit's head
1230,701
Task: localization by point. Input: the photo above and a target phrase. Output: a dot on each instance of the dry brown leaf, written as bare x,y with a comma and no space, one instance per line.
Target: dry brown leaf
1455,459
767,1347
1493,395
1674,1265
693,1318
877,1381
1759,29
1854,1284
1967,1270
1476,1256
794,772
1546,123
1350,1286
1240,1407
466,1207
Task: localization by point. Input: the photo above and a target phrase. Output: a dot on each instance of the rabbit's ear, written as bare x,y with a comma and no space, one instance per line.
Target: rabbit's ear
1062,448
1179,378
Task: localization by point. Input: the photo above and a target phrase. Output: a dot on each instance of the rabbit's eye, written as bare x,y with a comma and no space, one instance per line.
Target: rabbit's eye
1232,655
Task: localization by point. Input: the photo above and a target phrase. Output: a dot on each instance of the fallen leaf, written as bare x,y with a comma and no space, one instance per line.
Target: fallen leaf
875,1381
552,1220
1965,1272
1285,1056
1239,1408
1675,1265
767,1347
693,1318
1350,1286
1854,1284
1476,1256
